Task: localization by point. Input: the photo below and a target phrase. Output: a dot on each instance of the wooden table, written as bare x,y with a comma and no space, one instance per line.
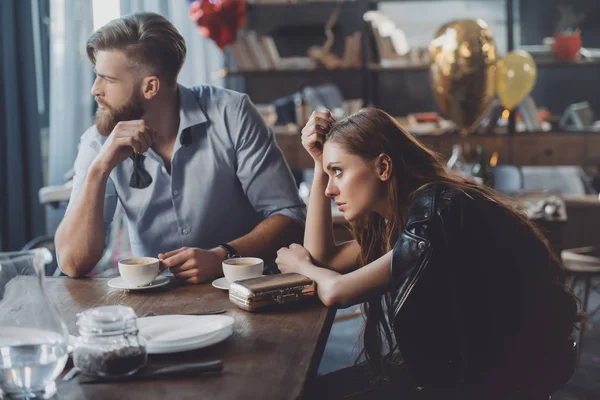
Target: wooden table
271,355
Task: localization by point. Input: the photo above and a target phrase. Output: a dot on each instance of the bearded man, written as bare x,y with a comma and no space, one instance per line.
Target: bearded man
196,170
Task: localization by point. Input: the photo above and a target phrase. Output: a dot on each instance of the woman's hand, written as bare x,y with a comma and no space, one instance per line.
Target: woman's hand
314,133
292,259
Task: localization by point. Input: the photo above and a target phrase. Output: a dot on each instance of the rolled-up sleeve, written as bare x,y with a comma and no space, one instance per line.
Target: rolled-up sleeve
88,150
261,168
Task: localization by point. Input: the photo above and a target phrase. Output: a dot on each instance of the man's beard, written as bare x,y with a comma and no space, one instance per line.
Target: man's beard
107,119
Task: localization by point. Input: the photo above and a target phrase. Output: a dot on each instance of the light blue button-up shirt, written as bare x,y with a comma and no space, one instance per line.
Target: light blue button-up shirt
228,179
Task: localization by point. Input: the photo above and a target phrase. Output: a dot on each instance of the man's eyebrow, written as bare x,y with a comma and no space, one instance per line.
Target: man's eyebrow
331,164
114,78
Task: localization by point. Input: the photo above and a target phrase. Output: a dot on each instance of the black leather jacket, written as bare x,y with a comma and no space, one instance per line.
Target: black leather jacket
472,292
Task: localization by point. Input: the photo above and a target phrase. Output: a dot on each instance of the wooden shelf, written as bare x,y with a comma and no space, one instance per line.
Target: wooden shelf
531,148
263,3
552,62
408,67
500,134
291,71
542,63
409,1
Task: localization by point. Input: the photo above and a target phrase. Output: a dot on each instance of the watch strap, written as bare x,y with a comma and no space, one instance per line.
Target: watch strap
231,252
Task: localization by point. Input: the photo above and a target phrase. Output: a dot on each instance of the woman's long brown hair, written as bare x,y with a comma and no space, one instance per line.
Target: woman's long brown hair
368,134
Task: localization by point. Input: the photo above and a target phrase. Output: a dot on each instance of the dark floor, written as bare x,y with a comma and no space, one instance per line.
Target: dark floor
344,345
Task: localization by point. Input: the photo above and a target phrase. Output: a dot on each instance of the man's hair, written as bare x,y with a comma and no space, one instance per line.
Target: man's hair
149,40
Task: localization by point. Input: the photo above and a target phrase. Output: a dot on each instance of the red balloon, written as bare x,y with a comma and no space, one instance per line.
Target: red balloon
219,20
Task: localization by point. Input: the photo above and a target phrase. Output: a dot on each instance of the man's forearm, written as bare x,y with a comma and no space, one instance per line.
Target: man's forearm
269,236
80,237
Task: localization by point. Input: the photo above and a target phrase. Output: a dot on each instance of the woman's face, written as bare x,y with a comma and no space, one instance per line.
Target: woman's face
354,183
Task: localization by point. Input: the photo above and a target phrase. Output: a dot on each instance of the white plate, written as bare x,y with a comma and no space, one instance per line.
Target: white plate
173,333
167,329
205,342
222,283
119,283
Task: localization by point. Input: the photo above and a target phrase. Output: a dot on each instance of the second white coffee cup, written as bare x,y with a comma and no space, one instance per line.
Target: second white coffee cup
237,269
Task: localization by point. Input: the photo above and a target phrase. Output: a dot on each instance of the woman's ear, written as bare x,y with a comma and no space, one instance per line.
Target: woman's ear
150,87
383,167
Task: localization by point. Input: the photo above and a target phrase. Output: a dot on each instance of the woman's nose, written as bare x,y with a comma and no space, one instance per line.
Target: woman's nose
331,189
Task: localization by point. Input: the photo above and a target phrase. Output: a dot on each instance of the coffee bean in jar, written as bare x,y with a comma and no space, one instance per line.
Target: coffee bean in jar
108,343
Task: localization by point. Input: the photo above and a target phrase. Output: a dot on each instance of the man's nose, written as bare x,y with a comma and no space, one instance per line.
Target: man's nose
95,90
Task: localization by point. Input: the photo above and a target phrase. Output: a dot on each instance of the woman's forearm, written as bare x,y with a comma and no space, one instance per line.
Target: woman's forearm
343,290
318,235
326,281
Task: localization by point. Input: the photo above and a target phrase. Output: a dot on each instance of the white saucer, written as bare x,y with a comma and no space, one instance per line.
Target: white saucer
223,283
119,283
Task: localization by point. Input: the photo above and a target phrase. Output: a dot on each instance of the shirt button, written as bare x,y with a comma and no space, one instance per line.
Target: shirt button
185,231
175,192
422,245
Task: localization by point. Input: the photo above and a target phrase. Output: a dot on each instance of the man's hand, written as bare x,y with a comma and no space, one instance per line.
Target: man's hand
293,259
194,265
127,137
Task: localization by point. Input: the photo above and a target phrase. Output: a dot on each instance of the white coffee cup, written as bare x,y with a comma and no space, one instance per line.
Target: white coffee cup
236,269
139,271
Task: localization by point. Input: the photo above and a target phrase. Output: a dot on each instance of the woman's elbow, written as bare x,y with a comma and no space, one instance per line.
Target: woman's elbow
332,295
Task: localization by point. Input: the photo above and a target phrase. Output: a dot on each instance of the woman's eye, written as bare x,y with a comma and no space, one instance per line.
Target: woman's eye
337,172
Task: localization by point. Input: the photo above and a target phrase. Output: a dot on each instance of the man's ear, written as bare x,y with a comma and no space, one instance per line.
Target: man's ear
383,166
150,87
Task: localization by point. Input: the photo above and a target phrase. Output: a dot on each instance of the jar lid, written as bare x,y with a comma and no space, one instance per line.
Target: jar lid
106,320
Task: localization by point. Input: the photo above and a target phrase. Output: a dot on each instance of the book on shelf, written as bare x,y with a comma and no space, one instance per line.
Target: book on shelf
252,52
270,50
240,56
390,47
529,114
352,50
262,60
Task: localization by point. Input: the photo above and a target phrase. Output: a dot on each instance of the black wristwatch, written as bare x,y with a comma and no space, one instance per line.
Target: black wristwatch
229,250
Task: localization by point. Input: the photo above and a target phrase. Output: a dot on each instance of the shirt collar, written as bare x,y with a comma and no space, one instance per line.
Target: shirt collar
190,114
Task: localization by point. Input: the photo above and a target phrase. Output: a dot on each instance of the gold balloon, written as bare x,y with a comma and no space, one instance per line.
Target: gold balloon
515,78
463,57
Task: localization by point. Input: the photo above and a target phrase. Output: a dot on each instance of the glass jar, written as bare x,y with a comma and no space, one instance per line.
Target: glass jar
108,343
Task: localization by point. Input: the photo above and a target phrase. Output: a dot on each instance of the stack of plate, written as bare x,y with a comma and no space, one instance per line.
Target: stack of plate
175,333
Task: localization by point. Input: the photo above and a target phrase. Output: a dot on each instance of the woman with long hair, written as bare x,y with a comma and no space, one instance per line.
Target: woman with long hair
463,296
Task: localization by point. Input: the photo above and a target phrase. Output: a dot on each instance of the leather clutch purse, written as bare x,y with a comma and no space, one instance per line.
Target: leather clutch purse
271,291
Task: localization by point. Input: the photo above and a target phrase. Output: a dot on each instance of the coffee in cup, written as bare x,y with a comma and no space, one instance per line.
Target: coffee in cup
237,269
139,271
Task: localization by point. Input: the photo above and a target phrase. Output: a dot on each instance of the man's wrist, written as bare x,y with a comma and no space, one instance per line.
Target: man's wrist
100,169
221,252
217,268
230,251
